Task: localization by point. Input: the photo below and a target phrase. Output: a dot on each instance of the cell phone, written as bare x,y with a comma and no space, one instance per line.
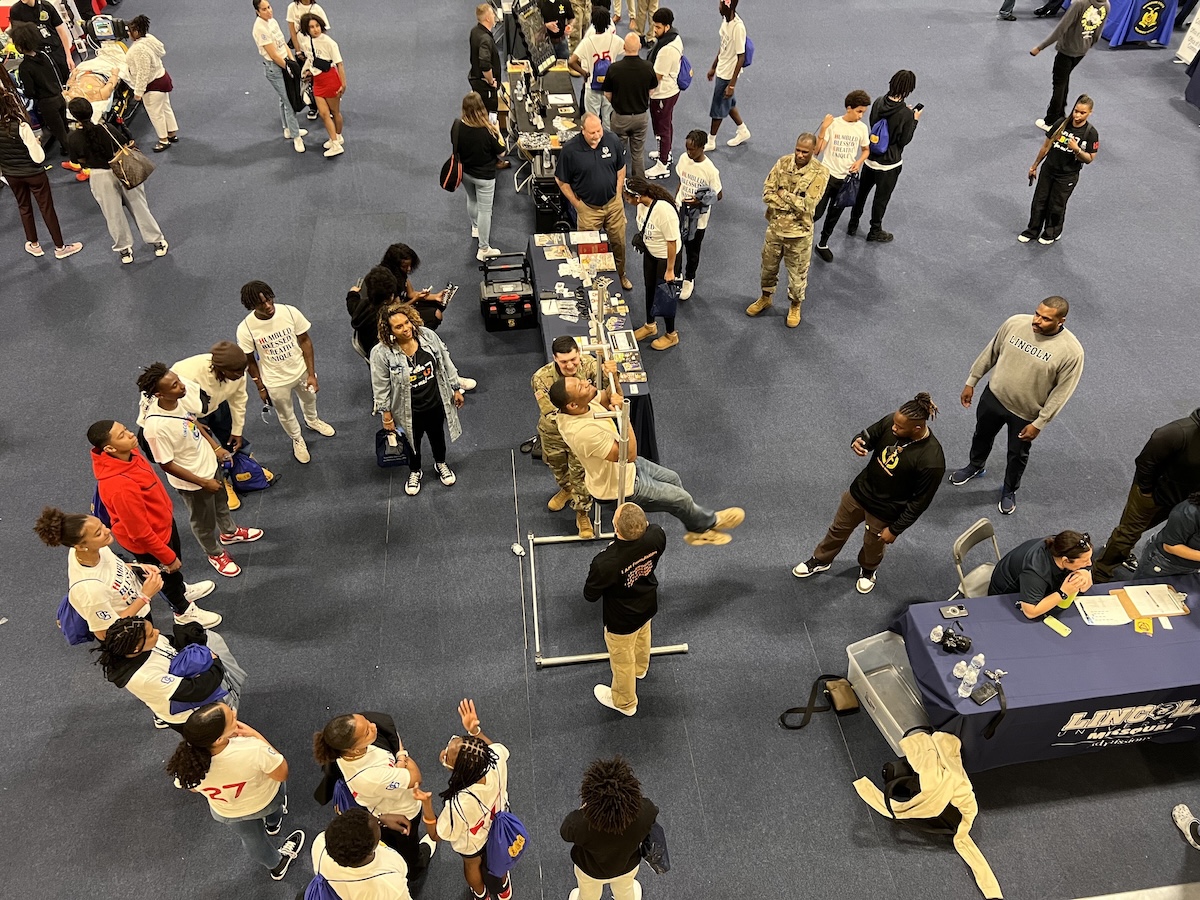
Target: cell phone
984,692
953,612
918,107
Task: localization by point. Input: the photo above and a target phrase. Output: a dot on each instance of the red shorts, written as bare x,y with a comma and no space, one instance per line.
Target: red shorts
327,84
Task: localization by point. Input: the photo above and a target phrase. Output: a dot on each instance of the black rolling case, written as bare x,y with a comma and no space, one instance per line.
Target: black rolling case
506,298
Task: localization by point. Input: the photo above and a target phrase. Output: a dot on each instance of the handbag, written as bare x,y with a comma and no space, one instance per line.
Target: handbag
391,448
639,239
653,850
452,171
848,192
837,690
130,165
666,299
323,65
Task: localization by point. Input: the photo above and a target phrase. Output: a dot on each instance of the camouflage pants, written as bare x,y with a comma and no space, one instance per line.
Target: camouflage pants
568,471
795,253
583,18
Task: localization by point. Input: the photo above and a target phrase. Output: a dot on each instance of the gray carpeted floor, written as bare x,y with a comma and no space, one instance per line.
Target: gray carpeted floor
360,597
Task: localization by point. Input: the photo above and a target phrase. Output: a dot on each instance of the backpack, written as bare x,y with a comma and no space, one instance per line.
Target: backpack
684,78
320,889
246,474
343,797
99,510
599,70
507,840
73,626
880,139
749,53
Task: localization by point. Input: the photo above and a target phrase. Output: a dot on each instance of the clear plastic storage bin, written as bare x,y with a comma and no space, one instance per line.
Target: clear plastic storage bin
884,683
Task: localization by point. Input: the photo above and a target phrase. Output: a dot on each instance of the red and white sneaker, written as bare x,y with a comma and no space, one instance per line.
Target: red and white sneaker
242,536
225,565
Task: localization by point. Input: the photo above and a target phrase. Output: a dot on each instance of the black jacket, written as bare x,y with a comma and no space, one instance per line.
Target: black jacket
623,574
1169,465
899,482
902,124
39,77
364,319
484,55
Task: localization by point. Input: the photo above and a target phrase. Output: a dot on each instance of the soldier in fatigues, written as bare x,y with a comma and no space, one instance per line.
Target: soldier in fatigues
568,362
792,191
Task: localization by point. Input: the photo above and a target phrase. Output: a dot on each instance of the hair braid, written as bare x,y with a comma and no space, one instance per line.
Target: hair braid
921,408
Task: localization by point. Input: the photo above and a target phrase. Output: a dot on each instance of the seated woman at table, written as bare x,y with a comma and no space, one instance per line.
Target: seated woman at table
1046,572
1176,549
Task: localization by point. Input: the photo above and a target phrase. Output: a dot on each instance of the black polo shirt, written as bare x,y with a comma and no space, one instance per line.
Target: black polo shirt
591,174
630,81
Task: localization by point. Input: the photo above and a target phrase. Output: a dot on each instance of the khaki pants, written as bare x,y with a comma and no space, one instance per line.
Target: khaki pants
629,657
565,465
850,514
795,253
611,218
623,887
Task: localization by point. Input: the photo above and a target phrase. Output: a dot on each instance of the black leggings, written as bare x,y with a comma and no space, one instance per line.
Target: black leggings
429,423
654,271
692,248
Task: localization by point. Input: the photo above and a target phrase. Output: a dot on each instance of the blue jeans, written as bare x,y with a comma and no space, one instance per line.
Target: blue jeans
251,830
561,48
480,192
286,113
1155,562
657,489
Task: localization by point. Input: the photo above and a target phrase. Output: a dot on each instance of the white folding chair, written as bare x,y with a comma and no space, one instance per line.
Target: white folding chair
975,582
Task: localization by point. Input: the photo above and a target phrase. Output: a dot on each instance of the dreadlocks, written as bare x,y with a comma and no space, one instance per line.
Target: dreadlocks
334,739
151,375
475,759
611,795
920,408
123,639
191,760
902,84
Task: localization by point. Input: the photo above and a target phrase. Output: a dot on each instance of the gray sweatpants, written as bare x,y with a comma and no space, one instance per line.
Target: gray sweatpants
113,197
208,512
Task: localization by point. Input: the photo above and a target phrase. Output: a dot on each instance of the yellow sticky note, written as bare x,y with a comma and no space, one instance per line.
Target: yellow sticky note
1144,626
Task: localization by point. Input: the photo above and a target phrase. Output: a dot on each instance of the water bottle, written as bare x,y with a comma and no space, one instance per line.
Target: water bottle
546,161
971,676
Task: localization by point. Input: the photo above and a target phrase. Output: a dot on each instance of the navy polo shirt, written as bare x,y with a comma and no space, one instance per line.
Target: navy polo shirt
591,174
1028,570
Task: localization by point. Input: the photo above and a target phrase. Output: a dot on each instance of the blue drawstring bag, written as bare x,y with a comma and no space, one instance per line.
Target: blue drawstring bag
320,889
73,626
99,510
848,192
343,797
246,474
192,660
749,53
654,850
666,299
684,78
507,840
880,138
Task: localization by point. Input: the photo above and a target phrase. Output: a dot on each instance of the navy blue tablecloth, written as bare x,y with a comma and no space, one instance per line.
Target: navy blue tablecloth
1101,686
1139,20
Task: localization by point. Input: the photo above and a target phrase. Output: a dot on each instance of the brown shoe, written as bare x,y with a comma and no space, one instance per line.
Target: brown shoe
235,502
793,316
559,500
503,164
666,342
626,283
712,536
650,329
584,522
729,519
762,304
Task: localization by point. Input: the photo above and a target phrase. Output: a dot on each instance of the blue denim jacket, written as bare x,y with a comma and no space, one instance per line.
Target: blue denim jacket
390,381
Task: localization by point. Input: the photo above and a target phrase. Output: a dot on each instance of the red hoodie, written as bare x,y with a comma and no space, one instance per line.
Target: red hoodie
137,502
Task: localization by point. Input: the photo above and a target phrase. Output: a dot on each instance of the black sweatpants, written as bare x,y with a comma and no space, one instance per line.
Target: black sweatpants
691,247
429,423
990,416
1049,208
1060,86
173,586
829,209
884,182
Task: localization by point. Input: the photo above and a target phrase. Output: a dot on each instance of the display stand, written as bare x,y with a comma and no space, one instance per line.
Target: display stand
598,342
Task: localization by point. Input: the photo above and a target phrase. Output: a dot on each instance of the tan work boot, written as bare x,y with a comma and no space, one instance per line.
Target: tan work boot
666,342
762,304
584,521
712,536
793,316
234,500
558,501
729,519
650,329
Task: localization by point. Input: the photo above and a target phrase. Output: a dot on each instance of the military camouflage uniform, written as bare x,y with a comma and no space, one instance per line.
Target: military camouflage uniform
583,18
790,223
568,471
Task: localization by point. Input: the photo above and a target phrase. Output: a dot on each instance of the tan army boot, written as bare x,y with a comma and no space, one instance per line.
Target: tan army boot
584,521
558,501
761,305
793,316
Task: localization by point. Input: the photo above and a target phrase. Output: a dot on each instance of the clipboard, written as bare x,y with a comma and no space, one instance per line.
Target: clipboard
1145,601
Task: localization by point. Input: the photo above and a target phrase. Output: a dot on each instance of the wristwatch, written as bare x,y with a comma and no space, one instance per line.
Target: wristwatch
1063,594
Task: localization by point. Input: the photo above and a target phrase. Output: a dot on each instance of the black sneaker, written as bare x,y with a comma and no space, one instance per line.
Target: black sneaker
1131,563
289,851
1026,236
824,252
810,567
1007,17
879,236
852,229
966,473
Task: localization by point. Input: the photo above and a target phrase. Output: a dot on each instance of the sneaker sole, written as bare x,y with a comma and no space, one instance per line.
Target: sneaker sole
867,591
234,574
238,540
697,539
1006,512
817,571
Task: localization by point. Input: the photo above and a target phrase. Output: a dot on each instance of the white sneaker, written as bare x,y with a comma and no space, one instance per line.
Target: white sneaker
300,450
335,150
658,170
1041,123
429,842
298,144
743,135
467,384
412,484
865,583
603,693
201,616
685,291
287,135
445,474
711,144
474,232
653,154
320,426
194,592
487,253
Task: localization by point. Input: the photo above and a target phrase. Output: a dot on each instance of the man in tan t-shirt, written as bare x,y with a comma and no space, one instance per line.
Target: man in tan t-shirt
653,487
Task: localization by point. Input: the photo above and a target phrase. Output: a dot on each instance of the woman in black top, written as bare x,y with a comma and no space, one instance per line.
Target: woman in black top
21,158
93,146
607,831
40,82
478,144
